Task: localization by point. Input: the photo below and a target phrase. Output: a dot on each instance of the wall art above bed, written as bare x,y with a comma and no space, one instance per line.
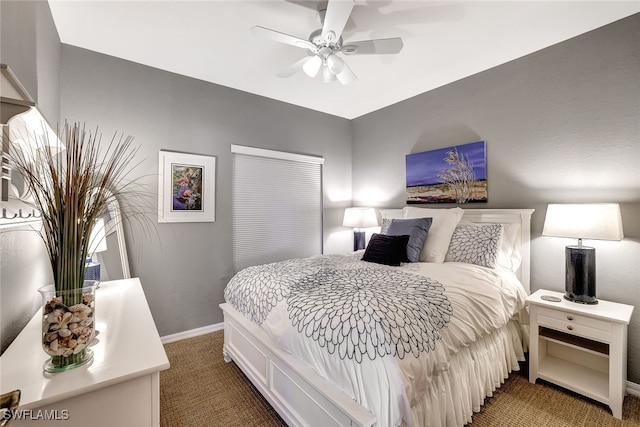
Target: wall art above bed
186,187
456,174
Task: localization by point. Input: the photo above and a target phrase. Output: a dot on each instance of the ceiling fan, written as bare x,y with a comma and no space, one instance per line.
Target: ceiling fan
325,43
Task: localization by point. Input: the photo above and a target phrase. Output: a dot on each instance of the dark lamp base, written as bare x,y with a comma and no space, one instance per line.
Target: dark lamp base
581,299
580,278
358,240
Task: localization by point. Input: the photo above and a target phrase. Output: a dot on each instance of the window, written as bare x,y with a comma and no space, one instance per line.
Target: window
277,206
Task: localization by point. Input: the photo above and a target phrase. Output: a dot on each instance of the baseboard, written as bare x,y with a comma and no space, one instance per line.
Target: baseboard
192,333
633,388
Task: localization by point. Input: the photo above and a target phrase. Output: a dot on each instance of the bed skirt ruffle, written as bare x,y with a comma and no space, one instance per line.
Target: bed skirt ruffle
474,373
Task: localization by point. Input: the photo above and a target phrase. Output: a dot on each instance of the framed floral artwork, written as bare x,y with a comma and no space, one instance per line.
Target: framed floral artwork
186,187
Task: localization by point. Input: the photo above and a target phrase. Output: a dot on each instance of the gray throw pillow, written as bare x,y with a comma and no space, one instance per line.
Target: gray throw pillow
417,230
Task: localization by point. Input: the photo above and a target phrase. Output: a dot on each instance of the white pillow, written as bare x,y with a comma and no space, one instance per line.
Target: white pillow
386,215
509,256
442,228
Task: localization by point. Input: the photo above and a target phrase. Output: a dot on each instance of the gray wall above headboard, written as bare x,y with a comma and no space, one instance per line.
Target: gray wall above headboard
561,125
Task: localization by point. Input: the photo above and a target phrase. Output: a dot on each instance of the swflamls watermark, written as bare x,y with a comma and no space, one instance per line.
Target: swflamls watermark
35,414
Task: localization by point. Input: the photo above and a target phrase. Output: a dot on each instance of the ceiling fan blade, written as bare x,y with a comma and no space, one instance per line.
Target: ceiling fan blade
335,19
346,76
309,4
294,68
378,47
282,37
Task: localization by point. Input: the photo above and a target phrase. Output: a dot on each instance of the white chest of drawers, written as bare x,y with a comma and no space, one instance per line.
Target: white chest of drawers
580,347
121,387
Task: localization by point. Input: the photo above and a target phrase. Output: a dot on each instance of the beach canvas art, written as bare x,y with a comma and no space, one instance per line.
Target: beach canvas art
456,174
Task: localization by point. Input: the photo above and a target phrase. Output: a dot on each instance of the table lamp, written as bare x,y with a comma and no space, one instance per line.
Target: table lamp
359,218
601,221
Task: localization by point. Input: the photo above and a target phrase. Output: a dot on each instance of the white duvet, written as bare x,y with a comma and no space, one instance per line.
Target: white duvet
483,300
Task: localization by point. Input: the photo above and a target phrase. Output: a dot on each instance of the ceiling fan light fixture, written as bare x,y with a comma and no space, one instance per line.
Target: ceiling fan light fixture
312,66
327,75
335,64
346,76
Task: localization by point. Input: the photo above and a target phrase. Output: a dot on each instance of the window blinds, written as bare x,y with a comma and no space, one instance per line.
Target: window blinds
277,206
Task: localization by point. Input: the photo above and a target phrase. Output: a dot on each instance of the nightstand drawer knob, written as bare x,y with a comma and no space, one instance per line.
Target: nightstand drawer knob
569,327
569,318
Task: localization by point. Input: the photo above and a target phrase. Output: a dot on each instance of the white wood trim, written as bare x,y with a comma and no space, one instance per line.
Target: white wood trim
261,152
191,333
633,388
155,399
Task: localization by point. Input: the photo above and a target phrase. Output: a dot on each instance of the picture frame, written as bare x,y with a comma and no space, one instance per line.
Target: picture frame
186,187
456,174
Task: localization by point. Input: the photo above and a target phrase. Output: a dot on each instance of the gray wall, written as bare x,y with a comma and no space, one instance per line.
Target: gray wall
185,267
31,47
561,125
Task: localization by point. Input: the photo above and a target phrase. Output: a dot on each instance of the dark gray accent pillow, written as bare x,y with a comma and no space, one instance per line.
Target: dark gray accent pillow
388,250
417,229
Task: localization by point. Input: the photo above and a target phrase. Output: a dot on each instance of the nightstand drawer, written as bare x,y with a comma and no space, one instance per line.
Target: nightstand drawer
575,324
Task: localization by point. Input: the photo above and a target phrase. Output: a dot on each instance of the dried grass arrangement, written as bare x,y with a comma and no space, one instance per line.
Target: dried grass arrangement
72,190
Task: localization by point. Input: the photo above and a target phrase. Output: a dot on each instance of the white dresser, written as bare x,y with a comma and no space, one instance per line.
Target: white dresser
120,387
580,347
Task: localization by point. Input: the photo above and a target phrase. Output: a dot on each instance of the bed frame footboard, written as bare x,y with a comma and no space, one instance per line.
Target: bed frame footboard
299,395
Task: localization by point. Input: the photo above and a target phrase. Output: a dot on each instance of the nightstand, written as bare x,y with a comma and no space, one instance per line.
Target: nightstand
580,347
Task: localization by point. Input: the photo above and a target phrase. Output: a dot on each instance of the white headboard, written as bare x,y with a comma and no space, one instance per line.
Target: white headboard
502,216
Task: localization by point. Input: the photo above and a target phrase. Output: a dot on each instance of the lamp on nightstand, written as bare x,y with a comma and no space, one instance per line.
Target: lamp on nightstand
359,218
600,221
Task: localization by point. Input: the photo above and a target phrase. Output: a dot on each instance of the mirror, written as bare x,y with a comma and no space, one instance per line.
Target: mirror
25,132
114,262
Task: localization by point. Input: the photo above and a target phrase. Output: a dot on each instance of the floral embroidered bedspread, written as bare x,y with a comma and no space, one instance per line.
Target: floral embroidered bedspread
352,308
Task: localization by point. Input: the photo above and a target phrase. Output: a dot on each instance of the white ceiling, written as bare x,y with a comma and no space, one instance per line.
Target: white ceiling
444,41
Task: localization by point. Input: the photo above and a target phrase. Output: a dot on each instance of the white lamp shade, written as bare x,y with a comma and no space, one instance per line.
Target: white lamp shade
335,64
312,66
31,131
599,221
360,217
98,239
327,75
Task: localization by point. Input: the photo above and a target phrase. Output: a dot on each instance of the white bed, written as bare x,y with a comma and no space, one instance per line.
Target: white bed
461,370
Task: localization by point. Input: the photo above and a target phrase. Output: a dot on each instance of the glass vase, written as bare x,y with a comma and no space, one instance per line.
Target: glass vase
68,326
